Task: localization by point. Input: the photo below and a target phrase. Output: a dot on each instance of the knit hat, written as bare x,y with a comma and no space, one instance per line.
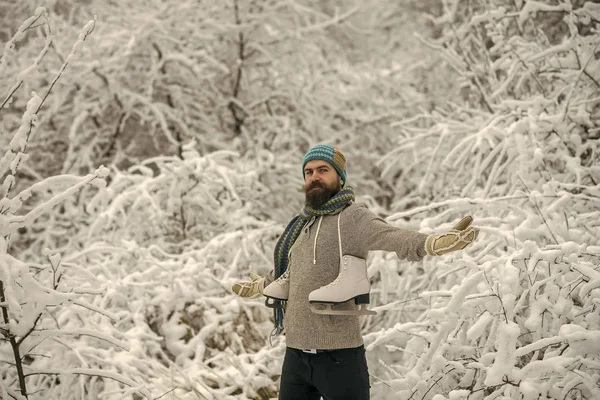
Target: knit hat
331,154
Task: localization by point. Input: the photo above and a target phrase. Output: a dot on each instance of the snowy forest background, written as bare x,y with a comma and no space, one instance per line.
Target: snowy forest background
151,156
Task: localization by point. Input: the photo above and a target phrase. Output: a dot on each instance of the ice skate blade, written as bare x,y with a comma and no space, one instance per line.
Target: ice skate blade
329,311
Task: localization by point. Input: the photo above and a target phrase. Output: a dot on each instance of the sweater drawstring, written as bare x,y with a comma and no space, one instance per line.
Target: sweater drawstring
316,237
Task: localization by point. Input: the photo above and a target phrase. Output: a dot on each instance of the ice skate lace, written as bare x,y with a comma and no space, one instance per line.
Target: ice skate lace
316,237
343,272
284,277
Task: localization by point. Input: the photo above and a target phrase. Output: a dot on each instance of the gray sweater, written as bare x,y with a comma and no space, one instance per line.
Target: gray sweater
361,231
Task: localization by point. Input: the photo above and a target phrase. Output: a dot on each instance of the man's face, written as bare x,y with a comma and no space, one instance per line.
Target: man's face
321,182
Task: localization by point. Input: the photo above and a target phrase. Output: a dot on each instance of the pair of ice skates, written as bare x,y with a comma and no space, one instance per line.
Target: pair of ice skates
352,283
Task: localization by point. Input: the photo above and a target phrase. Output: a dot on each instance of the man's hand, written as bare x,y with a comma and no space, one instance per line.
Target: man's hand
457,238
250,290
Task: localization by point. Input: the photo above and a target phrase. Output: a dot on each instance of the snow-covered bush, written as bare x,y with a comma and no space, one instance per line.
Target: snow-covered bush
237,75
204,112
172,235
42,301
516,316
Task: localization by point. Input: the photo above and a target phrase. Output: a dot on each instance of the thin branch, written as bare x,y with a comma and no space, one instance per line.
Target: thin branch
435,383
471,74
591,78
20,341
14,345
237,112
10,94
94,373
538,209
35,64
62,68
166,393
592,55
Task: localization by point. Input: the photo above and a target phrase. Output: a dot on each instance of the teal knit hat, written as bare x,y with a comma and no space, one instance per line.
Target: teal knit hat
331,154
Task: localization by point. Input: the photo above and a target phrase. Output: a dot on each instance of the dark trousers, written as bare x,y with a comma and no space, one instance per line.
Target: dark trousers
334,375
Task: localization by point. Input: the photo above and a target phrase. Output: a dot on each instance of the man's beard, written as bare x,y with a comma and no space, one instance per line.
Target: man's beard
316,198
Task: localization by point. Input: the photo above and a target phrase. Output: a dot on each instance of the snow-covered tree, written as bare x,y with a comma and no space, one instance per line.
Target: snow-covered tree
202,110
41,301
517,316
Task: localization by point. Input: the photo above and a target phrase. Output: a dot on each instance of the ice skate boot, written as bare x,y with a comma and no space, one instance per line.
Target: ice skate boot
352,282
279,289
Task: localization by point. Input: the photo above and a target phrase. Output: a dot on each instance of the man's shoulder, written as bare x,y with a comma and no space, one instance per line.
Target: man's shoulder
357,210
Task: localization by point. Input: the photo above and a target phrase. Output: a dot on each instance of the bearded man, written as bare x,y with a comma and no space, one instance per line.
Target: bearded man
320,272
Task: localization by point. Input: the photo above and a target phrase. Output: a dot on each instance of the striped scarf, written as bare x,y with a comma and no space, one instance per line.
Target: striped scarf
282,249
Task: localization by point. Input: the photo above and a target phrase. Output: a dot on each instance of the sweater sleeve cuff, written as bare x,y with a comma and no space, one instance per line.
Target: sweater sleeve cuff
429,242
422,249
270,277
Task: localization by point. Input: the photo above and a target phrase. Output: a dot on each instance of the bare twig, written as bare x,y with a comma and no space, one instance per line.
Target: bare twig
581,72
166,393
62,68
14,345
435,383
35,64
538,209
238,113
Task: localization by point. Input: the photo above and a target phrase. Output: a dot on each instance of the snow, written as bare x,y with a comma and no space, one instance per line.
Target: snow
504,359
118,252
476,330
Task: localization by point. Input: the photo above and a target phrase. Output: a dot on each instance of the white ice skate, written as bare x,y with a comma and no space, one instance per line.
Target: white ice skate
352,282
279,289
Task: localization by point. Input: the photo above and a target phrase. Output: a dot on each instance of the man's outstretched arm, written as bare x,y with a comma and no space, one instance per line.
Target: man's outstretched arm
371,233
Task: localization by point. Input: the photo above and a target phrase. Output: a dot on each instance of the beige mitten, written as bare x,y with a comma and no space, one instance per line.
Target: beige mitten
250,290
455,239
